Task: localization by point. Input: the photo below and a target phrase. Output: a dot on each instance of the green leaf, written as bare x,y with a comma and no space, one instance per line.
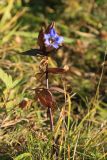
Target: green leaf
7,79
68,40
7,14
16,82
8,36
24,156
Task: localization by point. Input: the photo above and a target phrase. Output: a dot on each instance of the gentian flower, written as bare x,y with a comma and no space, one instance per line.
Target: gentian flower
48,39
52,39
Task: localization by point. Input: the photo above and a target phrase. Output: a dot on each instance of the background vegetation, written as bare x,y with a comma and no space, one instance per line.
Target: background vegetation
81,118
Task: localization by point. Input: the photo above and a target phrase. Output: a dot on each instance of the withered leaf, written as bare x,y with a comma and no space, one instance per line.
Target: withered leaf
43,64
45,97
56,70
57,89
25,103
75,71
39,76
103,35
10,123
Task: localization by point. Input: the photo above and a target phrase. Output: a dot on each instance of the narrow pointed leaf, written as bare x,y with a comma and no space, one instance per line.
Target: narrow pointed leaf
49,27
41,39
33,52
56,70
24,156
57,89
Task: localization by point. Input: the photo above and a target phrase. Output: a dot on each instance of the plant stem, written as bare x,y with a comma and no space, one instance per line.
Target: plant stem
49,111
51,118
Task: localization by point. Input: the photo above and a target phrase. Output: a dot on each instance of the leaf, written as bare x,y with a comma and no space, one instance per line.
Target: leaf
103,35
33,52
7,14
56,70
10,105
24,156
8,123
45,97
43,64
10,34
52,25
25,103
57,89
16,82
41,39
26,34
7,79
75,71
69,40
39,76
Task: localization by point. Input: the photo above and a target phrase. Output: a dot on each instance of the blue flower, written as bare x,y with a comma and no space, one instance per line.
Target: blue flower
52,39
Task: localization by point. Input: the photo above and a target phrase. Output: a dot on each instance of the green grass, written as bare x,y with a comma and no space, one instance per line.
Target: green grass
80,122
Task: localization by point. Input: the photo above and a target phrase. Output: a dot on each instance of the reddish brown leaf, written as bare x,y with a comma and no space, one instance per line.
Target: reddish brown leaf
25,103
41,39
56,70
52,25
45,97
33,52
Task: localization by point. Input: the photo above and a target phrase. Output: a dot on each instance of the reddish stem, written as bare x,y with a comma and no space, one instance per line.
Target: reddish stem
49,111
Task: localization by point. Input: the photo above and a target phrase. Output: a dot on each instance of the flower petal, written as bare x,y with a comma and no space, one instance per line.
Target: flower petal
53,32
55,45
59,39
47,42
46,36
